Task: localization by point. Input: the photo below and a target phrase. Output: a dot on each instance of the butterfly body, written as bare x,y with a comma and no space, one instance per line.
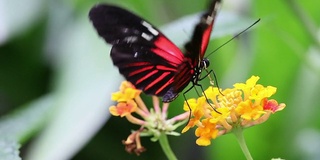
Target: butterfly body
146,57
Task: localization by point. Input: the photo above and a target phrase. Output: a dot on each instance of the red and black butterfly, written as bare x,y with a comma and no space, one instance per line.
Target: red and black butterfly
146,57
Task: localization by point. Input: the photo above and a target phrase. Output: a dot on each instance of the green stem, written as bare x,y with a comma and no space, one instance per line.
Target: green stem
239,135
164,143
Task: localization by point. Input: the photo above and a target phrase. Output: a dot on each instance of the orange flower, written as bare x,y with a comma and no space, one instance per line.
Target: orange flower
123,109
205,133
243,106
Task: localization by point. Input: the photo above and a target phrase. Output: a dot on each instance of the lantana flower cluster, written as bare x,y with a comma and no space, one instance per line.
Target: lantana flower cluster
152,121
245,105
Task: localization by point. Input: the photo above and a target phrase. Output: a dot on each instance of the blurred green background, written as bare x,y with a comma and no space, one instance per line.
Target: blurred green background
56,78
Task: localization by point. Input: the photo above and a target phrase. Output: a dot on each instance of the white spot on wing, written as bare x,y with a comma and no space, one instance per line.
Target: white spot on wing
131,39
146,36
209,20
150,28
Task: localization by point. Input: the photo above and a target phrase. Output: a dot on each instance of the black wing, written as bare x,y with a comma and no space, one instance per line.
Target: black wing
201,35
144,56
196,49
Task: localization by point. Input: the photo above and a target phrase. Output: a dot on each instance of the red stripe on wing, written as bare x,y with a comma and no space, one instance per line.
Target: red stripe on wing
166,68
183,78
137,64
184,75
165,86
167,50
146,76
205,40
157,81
140,70
209,21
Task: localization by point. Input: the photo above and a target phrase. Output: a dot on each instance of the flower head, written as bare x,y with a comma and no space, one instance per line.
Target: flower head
243,106
153,122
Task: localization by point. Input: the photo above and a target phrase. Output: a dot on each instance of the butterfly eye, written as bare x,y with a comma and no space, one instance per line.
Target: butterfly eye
205,63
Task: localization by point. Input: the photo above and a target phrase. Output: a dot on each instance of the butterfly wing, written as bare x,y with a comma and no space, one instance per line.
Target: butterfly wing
144,56
201,35
195,49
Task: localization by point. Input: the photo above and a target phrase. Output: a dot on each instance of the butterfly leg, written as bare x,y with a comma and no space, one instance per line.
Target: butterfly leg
185,99
206,75
211,80
196,91
204,94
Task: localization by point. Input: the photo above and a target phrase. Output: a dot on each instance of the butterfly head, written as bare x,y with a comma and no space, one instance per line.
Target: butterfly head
204,63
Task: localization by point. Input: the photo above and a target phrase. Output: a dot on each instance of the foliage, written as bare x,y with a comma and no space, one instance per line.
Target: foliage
51,56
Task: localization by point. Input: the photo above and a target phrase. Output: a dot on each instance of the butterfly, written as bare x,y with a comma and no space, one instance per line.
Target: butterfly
146,57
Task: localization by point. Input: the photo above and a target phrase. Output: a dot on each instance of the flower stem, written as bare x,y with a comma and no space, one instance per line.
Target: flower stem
239,135
164,143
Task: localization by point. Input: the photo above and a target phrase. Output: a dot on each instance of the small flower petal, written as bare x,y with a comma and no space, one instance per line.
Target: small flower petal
272,105
122,109
251,82
247,87
259,92
126,84
212,93
203,141
197,107
248,111
127,92
223,114
189,125
206,133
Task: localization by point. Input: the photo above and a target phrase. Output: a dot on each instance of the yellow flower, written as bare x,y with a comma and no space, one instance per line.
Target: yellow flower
197,106
222,115
206,132
230,98
259,92
127,92
212,93
247,87
248,111
243,106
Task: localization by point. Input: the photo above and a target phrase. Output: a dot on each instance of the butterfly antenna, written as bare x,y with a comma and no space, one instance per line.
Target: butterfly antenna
237,35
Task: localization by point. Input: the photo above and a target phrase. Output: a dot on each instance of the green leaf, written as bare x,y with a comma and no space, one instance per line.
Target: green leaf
18,126
84,83
24,122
